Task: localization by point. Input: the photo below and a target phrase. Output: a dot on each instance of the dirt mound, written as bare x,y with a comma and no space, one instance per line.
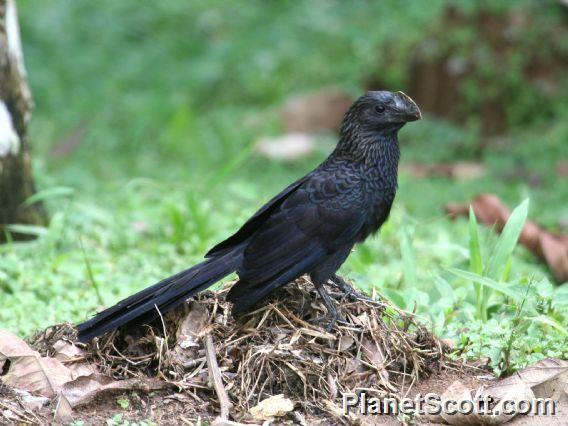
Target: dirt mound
214,363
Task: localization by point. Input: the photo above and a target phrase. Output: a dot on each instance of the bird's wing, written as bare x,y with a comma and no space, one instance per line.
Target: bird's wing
251,225
323,215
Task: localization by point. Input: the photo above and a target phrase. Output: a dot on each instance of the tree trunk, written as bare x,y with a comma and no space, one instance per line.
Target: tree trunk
16,181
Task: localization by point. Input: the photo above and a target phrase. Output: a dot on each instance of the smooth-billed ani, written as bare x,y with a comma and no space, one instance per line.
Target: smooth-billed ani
308,228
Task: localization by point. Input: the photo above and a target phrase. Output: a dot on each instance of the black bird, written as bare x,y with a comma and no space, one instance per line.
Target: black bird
308,228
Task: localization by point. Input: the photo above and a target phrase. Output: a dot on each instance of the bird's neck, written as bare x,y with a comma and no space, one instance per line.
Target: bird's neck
377,152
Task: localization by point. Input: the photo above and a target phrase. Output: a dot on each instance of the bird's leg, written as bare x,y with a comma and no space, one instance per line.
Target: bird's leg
348,290
332,314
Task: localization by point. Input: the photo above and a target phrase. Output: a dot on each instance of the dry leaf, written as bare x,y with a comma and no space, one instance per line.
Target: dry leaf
362,319
84,389
194,324
562,169
29,370
372,352
545,379
12,346
518,393
555,253
428,417
333,408
66,351
374,355
531,376
189,333
31,402
219,421
274,406
555,389
345,342
458,392
332,384
63,410
352,365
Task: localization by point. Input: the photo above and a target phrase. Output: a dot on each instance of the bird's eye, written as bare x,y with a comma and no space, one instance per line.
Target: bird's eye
379,108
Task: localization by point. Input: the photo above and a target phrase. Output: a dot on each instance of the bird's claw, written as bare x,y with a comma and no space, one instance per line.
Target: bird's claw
332,314
330,319
349,291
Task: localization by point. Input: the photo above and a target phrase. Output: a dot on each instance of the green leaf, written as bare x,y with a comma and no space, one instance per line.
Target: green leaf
444,288
27,229
550,322
500,287
561,295
408,259
123,403
394,297
414,297
46,194
507,240
475,261
476,265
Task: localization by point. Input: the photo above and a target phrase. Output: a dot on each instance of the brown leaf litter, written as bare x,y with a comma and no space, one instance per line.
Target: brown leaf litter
546,379
548,246
197,364
276,353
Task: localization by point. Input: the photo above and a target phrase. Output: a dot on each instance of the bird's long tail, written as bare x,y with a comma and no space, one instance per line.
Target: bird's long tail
147,304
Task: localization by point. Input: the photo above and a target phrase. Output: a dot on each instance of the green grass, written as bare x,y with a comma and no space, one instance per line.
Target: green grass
168,101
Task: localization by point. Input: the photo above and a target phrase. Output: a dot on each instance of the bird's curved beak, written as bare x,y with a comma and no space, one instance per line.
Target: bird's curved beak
406,107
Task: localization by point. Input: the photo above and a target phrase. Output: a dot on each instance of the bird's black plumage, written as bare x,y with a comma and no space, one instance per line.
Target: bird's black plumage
308,228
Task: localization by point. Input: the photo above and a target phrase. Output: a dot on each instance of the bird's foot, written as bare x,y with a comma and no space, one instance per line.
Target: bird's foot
331,320
348,290
332,315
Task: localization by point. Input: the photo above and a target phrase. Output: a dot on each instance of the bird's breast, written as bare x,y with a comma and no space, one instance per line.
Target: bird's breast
379,206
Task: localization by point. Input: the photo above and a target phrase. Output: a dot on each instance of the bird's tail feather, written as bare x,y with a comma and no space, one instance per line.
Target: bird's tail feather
161,297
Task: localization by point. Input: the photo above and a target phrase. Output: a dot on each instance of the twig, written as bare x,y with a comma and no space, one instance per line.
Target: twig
215,377
23,415
165,339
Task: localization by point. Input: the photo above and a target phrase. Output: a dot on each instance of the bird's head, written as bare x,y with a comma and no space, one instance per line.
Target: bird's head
379,112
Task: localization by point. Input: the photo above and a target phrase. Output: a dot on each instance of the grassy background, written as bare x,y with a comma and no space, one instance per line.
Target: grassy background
146,115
